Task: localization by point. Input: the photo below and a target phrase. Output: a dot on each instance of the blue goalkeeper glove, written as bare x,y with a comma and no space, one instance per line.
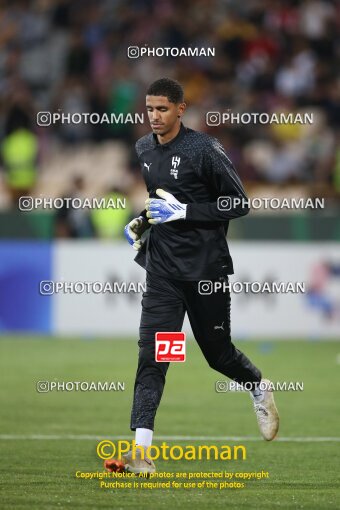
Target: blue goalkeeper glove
134,230
168,208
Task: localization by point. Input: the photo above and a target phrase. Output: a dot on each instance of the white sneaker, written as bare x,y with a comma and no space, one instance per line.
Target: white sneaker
138,465
267,414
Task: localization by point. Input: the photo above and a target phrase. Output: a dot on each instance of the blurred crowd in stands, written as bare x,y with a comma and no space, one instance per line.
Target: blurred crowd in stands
71,56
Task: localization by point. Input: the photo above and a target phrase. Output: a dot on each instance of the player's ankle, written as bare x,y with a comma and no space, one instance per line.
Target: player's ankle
257,394
143,437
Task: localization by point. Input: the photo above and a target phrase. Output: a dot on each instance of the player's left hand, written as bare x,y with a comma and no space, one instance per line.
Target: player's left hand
168,208
134,230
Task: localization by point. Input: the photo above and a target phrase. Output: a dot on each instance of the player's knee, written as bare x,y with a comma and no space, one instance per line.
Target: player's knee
149,368
147,361
215,365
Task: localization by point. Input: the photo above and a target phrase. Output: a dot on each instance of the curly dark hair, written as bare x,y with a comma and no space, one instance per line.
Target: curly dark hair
168,88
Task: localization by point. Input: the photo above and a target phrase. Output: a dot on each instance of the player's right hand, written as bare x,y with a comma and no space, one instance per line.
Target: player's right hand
134,230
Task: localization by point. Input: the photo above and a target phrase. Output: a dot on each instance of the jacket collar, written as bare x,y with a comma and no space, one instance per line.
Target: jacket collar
182,131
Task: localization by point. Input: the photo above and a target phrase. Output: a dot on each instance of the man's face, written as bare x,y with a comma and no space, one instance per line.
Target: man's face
163,115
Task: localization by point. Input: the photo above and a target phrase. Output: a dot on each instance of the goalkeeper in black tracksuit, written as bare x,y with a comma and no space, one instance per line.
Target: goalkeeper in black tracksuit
181,240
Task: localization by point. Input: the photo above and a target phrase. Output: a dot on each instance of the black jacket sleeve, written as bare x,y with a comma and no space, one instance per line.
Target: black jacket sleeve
216,169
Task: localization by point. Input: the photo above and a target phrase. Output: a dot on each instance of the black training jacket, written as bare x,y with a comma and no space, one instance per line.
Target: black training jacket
194,167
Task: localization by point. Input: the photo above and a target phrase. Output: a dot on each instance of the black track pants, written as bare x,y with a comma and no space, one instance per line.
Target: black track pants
163,308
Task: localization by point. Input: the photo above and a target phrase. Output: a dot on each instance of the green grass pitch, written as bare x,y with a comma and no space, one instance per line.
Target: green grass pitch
38,472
